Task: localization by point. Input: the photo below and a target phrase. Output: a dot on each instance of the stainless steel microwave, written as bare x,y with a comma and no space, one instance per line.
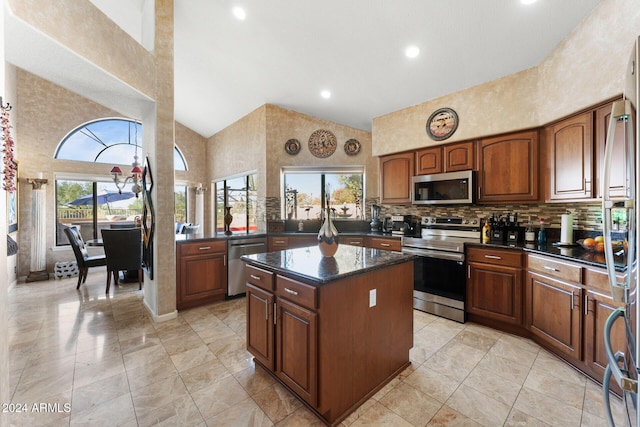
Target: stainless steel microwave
444,188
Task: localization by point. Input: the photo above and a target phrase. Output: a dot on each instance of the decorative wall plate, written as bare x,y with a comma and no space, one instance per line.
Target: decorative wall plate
352,147
292,146
322,143
442,124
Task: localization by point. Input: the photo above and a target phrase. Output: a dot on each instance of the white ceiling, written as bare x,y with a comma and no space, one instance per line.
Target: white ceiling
287,51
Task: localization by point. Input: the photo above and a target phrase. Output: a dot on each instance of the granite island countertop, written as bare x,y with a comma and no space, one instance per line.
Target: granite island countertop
308,263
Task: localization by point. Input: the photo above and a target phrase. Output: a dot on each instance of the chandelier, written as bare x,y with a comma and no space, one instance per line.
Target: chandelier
136,171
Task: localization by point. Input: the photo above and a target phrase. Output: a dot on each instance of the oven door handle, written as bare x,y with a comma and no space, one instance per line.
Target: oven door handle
451,256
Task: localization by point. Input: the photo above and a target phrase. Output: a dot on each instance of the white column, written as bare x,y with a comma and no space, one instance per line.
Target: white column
199,219
38,269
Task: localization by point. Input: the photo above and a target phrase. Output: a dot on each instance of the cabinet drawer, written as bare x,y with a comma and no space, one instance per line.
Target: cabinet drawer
597,280
296,292
205,247
279,242
387,244
505,257
555,268
352,240
258,277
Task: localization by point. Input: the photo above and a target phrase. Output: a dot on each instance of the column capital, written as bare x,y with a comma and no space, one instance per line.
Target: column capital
37,182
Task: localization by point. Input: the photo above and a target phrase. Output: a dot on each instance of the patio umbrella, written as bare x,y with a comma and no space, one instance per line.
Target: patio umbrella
109,196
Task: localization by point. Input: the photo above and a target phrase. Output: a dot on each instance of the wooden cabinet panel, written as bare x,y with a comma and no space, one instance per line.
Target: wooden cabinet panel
495,292
258,277
555,268
555,313
508,168
459,157
297,292
260,327
618,176
510,257
201,278
281,243
297,362
429,161
395,178
352,240
385,243
570,147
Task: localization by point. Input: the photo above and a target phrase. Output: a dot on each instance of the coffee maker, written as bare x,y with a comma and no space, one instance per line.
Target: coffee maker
401,225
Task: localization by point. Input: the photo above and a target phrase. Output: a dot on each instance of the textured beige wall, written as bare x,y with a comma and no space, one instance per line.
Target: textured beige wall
585,69
283,124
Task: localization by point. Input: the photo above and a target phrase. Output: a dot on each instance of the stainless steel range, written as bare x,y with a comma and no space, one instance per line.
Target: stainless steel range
439,272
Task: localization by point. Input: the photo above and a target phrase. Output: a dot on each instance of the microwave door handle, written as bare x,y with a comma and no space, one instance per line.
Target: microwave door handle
620,110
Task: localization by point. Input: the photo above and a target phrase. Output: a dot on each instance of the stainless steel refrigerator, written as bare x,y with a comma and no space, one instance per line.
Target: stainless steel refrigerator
623,363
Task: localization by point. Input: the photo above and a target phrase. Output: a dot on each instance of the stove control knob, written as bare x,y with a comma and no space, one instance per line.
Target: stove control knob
465,221
474,221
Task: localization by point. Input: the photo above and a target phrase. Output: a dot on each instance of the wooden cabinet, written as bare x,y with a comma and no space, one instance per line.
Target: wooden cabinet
429,161
396,171
281,243
459,156
618,176
494,284
447,158
386,243
508,168
201,270
570,150
554,308
352,240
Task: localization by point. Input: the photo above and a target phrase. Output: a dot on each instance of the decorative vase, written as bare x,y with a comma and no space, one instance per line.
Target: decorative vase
227,220
328,236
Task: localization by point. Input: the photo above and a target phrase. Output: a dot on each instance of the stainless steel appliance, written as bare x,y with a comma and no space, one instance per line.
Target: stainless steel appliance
444,188
439,270
236,284
623,363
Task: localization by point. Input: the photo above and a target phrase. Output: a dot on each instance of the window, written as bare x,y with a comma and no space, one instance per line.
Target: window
180,199
75,199
241,195
304,192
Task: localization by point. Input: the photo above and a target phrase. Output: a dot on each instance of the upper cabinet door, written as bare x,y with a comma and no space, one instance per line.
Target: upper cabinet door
429,161
618,176
570,148
459,157
508,168
396,171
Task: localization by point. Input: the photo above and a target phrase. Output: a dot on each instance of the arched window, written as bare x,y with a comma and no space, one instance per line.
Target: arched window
111,141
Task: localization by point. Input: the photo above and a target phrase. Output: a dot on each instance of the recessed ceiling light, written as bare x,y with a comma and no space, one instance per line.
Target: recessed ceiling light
325,94
412,51
239,13
527,1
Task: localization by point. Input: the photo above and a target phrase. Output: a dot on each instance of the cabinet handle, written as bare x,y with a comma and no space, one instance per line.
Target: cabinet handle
275,317
354,242
204,248
290,291
386,245
266,310
224,260
279,242
493,256
479,192
550,268
468,271
586,305
572,297
254,277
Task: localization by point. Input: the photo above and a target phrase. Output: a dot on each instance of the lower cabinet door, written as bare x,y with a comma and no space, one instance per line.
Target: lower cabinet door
495,292
555,313
296,349
597,309
203,278
260,327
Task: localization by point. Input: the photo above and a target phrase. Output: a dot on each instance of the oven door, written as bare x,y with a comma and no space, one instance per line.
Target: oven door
439,282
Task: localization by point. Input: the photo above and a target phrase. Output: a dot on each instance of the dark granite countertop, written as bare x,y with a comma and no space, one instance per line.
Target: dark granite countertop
340,233
182,238
570,253
308,263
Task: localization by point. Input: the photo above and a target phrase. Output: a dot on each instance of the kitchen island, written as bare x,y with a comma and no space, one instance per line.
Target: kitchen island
332,330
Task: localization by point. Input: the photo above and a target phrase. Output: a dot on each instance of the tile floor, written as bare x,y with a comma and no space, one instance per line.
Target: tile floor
111,365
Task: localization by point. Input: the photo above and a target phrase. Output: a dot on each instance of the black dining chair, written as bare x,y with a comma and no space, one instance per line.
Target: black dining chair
123,249
83,259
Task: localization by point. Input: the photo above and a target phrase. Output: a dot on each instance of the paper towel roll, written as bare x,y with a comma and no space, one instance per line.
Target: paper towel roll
566,229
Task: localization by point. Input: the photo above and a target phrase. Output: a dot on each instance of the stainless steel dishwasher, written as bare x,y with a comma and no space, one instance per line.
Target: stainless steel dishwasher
236,284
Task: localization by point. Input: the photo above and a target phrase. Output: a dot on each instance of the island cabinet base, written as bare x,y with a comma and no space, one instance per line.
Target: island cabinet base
334,344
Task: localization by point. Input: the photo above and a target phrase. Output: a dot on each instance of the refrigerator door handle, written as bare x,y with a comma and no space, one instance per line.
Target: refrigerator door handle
626,383
605,391
620,111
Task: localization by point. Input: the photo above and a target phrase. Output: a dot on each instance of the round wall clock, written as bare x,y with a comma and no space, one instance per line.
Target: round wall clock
442,124
322,143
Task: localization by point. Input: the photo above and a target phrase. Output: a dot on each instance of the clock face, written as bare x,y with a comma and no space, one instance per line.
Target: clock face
442,124
322,143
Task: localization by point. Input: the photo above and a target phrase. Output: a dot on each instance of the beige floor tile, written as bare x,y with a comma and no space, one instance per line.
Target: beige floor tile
594,404
138,343
547,362
486,382
145,356
55,409
475,338
455,360
97,354
144,375
277,402
431,383
87,373
100,391
219,396
514,350
379,415
554,386
505,368
204,375
114,412
411,404
179,412
550,410
520,419
191,358
254,379
245,414
478,406
158,394
179,342
448,417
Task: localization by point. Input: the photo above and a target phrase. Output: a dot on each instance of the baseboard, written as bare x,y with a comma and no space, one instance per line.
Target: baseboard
162,317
